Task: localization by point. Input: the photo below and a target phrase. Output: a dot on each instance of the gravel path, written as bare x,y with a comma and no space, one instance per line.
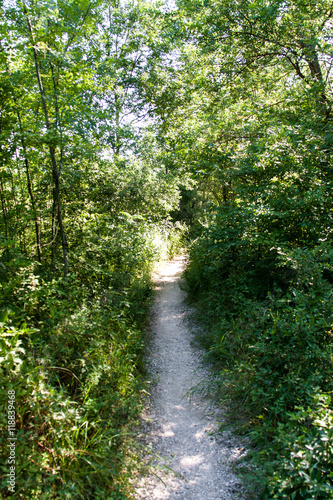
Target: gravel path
189,459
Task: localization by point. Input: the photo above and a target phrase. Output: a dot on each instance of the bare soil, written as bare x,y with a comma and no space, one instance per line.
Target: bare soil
189,459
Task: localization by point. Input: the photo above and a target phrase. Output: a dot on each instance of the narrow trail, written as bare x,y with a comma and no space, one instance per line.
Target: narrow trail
191,461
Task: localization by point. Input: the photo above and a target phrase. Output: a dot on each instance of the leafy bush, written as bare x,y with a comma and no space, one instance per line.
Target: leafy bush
305,470
268,311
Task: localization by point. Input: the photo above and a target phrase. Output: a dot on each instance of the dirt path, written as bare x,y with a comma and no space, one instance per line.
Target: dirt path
191,461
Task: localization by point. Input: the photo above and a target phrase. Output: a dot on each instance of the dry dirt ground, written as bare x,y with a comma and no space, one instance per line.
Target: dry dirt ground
188,458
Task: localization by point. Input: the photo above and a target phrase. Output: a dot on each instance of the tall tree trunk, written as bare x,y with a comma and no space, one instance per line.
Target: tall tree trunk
55,169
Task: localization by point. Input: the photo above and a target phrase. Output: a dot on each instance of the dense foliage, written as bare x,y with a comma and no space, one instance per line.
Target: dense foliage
260,131
84,219
71,347
120,123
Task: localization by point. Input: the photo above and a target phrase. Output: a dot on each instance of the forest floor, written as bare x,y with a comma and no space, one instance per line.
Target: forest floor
188,457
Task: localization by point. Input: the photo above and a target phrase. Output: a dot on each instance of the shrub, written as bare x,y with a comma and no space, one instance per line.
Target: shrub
270,335
305,470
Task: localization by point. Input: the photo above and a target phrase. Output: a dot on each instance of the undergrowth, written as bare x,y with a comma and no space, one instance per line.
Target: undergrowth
268,315
71,366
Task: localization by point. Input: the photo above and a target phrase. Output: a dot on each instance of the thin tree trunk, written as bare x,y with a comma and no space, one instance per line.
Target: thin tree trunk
4,210
54,216
22,194
55,169
15,199
117,135
31,195
29,185
39,252
57,120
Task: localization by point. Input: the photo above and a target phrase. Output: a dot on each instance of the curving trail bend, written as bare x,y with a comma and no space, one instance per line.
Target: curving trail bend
188,460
